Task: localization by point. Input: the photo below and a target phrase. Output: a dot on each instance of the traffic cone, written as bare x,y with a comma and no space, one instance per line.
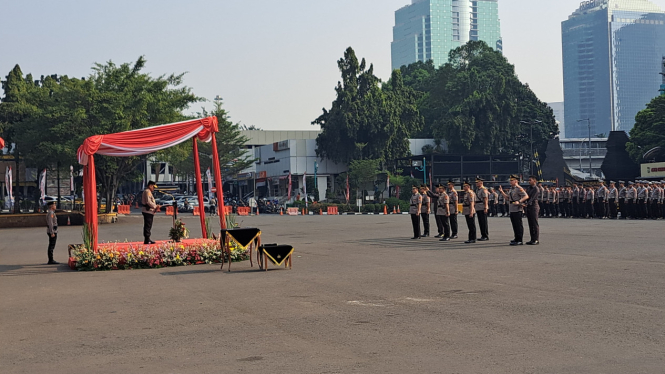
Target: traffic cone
399,211
385,210
281,211
321,212
69,222
394,210
303,211
137,205
257,210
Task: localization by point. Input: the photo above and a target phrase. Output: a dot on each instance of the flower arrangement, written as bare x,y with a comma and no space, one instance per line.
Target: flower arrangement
201,251
179,231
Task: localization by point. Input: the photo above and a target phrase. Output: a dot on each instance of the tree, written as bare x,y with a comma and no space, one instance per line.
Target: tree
114,98
366,122
649,129
363,172
476,103
233,157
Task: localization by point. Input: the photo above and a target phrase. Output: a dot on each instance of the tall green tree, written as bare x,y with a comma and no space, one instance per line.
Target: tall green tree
364,120
476,103
649,129
114,98
233,156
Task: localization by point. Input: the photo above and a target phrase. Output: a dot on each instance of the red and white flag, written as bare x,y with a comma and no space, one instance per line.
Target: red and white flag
42,184
288,198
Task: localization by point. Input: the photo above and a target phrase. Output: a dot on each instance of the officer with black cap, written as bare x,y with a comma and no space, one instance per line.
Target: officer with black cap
612,194
425,209
415,204
532,211
441,204
481,202
622,199
453,198
51,231
469,211
516,196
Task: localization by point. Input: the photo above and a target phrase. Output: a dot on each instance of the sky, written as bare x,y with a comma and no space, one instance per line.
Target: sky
273,62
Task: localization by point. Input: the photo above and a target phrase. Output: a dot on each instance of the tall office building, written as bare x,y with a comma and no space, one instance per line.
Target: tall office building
429,29
612,54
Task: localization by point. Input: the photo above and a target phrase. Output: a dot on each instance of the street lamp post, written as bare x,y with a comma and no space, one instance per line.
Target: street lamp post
588,121
531,123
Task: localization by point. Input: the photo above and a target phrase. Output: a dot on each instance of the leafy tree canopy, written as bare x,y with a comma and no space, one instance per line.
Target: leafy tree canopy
649,129
366,121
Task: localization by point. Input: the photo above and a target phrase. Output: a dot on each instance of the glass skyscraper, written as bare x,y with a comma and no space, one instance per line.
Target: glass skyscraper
429,29
612,56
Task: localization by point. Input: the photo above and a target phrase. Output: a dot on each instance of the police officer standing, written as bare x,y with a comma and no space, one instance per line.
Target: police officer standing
516,196
602,195
148,211
588,200
434,201
469,211
532,211
612,194
425,209
622,199
631,196
481,203
453,199
442,212
415,205
51,231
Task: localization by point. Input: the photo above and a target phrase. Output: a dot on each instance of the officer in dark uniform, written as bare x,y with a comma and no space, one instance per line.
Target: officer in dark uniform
516,196
481,202
533,211
415,203
51,231
453,198
425,209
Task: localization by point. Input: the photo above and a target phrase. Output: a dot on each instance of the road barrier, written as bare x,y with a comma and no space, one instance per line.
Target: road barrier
292,211
124,209
332,211
243,210
196,211
169,211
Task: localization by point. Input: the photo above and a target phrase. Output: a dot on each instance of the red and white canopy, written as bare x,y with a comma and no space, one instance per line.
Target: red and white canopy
2,143
147,140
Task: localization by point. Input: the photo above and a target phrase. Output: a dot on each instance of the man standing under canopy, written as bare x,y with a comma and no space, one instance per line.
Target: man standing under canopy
149,210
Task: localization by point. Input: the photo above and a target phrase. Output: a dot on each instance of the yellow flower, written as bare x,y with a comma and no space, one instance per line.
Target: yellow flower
141,253
111,255
99,257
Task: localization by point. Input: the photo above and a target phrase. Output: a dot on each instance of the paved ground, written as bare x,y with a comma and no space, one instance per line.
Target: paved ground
361,298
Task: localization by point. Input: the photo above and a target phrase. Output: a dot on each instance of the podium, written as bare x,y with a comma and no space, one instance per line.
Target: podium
246,238
277,254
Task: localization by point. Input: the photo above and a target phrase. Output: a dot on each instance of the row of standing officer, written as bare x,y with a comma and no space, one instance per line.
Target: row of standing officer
474,204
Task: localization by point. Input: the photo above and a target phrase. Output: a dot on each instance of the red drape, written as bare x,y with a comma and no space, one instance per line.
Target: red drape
199,188
141,142
2,143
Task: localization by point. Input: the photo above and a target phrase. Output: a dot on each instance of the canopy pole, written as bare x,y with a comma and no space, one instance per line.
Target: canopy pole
218,181
199,188
90,200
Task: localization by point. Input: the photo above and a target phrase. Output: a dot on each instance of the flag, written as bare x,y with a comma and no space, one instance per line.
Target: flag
71,179
348,192
209,177
430,179
304,187
388,184
42,184
411,173
289,194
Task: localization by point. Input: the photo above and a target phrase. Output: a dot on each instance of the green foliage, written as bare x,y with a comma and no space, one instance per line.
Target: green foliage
476,102
50,118
179,232
362,173
365,121
649,129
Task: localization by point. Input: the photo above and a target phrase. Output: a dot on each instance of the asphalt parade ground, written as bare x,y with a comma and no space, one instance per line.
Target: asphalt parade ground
361,298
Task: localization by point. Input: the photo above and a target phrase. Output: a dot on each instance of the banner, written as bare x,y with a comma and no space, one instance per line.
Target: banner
304,187
42,184
209,177
653,170
8,186
289,194
388,184
348,191
71,179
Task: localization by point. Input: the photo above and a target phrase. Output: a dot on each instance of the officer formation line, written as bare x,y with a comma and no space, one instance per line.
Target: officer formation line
476,205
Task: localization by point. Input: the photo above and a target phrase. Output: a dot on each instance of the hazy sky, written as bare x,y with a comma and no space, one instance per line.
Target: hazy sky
273,62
